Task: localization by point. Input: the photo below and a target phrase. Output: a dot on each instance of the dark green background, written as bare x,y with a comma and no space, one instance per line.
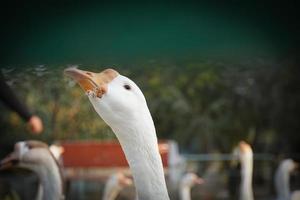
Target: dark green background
90,32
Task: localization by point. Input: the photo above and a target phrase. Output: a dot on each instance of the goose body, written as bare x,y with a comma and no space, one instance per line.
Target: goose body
36,156
122,105
177,166
282,181
295,195
245,155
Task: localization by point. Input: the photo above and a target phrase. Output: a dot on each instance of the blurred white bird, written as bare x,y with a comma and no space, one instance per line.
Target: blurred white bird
36,156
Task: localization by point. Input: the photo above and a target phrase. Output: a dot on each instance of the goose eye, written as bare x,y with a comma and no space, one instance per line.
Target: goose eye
28,146
127,87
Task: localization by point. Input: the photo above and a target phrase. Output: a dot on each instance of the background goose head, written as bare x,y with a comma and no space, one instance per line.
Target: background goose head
190,179
27,154
119,180
186,183
56,151
243,152
289,165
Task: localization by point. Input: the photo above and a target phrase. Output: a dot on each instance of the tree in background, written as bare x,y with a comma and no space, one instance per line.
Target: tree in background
204,105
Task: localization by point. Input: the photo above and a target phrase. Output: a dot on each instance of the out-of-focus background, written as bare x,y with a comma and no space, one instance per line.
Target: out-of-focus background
213,73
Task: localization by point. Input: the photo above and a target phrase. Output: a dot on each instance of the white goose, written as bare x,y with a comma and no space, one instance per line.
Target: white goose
115,183
36,156
57,152
282,180
186,183
122,105
245,155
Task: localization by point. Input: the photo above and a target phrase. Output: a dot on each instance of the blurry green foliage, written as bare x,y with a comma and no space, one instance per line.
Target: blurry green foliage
204,105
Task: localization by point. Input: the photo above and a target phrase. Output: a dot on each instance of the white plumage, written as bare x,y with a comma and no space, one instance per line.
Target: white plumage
245,155
282,181
122,105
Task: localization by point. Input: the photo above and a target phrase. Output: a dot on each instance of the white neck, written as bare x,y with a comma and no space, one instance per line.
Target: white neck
142,154
50,179
134,128
246,192
39,195
282,183
185,193
112,188
111,193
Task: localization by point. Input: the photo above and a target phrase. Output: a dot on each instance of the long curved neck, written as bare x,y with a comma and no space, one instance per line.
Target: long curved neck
246,192
110,193
112,188
282,183
50,180
185,193
142,154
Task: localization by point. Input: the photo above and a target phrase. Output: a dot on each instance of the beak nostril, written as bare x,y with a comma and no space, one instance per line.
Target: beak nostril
88,73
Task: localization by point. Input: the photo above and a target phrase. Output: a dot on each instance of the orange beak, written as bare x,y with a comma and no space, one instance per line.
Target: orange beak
90,81
244,146
199,181
125,181
9,161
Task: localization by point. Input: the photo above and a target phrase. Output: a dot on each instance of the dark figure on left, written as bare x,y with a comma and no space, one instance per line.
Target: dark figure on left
16,183
10,99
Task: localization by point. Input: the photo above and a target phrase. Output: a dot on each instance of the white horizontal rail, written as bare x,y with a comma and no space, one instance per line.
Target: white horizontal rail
224,157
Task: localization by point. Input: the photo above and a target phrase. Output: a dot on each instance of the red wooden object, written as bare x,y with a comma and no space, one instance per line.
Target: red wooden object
84,154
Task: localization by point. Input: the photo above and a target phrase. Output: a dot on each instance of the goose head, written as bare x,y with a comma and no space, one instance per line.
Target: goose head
123,180
243,151
119,180
289,165
191,179
27,154
116,98
56,150
186,183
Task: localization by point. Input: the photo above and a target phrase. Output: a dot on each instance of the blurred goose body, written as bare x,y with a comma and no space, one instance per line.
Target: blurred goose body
282,181
122,105
36,156
245,155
